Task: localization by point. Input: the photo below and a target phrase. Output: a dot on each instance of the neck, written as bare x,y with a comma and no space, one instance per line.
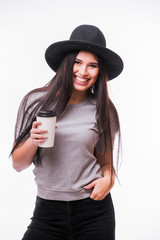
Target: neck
77,97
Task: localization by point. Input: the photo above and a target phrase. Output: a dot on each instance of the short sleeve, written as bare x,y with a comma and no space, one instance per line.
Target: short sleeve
100,146
25,109
20,122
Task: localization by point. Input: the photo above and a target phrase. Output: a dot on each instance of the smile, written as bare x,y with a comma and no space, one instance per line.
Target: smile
80,80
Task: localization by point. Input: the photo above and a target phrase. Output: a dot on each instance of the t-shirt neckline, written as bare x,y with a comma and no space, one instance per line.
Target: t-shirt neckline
78,104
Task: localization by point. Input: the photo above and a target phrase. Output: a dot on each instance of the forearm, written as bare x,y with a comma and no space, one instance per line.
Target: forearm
23,155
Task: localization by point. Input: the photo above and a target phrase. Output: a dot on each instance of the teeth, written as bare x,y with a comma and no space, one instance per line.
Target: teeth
81,80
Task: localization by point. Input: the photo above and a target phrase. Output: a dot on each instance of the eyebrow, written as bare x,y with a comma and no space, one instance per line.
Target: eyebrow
96,63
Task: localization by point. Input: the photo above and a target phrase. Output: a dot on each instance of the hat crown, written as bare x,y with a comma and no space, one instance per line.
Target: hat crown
89,34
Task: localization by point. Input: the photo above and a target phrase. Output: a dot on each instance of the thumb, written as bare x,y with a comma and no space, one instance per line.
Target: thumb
91,185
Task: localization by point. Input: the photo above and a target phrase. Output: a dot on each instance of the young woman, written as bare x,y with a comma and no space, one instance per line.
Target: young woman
73,178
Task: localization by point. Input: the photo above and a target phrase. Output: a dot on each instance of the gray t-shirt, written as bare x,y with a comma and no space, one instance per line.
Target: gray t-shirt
70,164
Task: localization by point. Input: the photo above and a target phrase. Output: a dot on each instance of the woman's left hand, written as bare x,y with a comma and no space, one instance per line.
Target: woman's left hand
101,187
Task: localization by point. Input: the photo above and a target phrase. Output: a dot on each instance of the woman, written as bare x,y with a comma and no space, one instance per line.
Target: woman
73,178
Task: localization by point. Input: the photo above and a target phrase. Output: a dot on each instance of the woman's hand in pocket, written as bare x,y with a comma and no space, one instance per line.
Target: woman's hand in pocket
101,187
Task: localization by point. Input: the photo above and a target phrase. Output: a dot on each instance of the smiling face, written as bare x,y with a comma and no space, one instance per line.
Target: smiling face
85,71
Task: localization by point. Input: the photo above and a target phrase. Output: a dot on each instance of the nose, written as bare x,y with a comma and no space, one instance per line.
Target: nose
83,70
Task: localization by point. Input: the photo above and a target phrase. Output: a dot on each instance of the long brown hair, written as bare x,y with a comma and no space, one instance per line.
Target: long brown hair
58,92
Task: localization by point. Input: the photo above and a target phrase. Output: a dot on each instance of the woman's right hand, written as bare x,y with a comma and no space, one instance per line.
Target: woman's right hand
23,155
36,134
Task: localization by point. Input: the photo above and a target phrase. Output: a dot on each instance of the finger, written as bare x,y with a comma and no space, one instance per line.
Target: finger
38,131
91,185
38,136
93,196
96,196
37,141
35,124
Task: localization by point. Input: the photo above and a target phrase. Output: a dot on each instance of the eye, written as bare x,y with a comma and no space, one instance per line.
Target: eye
93,66
77,62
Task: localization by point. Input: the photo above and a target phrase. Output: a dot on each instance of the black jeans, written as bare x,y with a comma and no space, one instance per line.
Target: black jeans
85,219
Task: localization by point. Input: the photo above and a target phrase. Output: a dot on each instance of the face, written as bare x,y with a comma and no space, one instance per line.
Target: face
85,71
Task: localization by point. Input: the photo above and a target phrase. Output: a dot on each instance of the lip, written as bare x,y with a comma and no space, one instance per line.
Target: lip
84,82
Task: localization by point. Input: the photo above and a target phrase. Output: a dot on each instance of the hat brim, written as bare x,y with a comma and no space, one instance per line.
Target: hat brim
57,51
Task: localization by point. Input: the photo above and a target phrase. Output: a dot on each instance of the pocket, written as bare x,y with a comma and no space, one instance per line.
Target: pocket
42,209
103,200
96,201
40,202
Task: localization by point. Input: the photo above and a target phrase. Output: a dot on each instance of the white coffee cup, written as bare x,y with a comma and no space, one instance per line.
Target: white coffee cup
47,119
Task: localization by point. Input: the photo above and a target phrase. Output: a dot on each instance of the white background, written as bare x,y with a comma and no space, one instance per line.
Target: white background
132,29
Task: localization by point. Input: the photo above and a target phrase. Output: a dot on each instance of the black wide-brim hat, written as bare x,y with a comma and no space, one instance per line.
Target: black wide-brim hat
87,38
